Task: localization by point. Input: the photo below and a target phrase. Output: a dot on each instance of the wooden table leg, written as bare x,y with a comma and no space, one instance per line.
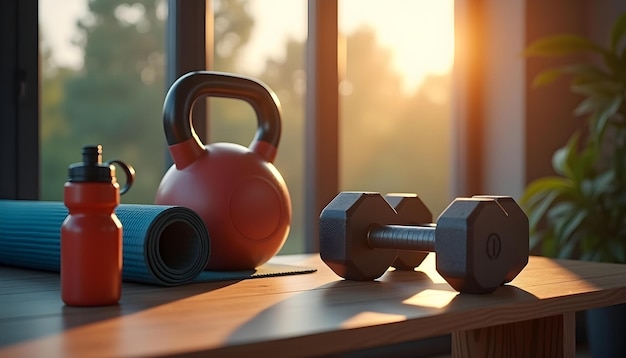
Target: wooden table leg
553,336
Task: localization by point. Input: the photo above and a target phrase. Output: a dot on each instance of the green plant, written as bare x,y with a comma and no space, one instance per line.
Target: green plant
581,211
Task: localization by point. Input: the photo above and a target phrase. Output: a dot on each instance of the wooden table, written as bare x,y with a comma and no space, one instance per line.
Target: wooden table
309,314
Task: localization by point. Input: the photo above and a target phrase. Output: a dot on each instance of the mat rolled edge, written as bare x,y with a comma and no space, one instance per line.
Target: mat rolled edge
163,245
176,247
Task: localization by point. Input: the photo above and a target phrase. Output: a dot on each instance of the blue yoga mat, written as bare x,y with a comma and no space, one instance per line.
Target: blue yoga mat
162,245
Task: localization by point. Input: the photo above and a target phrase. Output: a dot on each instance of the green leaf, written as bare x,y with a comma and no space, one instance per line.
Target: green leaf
601,116
613,62
559,160
540,188
592,255
599,89
539,210
566,158
619,158
539,196
535,239
547,77
588,105
567,250
583,73
549,247
587,244
586,188
583,165
602,183
619,30
562,209
558,45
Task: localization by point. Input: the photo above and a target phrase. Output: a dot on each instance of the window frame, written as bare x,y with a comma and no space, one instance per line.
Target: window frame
19,100
321,179
188,49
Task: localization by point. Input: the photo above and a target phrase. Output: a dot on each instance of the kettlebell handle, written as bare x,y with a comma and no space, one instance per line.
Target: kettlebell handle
190,87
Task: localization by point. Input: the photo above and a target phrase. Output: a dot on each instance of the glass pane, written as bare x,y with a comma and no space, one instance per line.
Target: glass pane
253,39
102,83
395,97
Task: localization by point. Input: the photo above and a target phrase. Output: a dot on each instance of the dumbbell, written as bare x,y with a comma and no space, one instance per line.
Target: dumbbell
480,242
411,211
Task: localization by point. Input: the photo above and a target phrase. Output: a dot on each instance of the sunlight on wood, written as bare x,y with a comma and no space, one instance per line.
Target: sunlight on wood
431,298
553,272
365,319
428,267
316,314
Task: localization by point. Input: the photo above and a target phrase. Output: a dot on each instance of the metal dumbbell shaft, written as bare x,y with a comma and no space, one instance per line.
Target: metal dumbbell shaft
400,237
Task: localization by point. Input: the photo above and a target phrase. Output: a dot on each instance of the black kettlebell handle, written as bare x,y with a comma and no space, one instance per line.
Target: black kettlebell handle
193,85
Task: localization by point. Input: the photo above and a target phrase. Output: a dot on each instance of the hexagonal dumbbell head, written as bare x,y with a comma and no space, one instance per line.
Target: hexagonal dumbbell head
410,210
515,214
478,241
344,226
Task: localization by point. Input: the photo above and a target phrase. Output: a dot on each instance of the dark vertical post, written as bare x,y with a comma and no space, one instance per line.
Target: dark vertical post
19,100
189,47
467,127
322,115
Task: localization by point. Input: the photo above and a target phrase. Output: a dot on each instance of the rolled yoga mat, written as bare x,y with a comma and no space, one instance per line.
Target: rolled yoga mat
162,245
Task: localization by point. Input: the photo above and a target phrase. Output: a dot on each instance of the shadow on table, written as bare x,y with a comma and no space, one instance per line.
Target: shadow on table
346,305
29,295
33,294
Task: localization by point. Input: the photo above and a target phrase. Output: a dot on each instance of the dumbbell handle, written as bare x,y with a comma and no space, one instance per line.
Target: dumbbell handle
401,237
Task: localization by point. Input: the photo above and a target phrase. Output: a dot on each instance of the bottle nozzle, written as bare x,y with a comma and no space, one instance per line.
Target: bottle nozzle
92,154
91,169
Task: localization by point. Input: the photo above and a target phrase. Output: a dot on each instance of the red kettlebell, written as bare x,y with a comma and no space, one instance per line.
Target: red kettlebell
237,191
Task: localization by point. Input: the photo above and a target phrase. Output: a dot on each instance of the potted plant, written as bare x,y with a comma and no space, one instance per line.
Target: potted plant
580,213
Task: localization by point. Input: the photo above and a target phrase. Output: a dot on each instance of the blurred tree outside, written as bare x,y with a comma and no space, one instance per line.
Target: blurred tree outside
232,26
390,141
115,99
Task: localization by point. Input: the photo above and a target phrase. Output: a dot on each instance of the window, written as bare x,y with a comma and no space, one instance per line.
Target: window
104,80
395,97
82,101
254,40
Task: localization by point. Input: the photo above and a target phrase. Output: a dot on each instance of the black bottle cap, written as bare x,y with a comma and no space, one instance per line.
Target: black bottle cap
91,169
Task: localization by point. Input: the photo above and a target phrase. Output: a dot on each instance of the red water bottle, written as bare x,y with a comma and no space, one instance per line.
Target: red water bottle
91,235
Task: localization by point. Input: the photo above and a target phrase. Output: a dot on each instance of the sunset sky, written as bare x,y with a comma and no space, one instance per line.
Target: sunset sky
420,32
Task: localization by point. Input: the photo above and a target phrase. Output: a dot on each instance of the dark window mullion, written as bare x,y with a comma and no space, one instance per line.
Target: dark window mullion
19,100
321,115
187,48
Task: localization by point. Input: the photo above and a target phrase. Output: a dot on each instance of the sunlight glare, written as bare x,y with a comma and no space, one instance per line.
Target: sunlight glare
431,298
419,32
365,319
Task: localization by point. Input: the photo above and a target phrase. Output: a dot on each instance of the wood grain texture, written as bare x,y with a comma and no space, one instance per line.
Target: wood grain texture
300,315
552,336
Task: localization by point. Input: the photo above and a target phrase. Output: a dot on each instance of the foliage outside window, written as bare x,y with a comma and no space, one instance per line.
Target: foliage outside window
116,100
